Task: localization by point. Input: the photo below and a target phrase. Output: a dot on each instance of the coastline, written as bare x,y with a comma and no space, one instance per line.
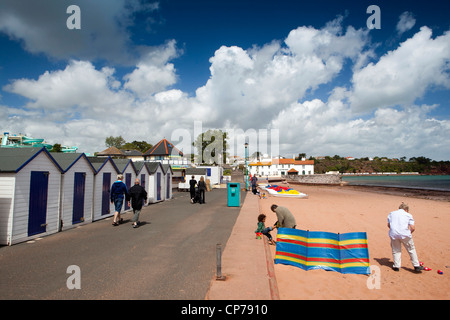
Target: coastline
438,195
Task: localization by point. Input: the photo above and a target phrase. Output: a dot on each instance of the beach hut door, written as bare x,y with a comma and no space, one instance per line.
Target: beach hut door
78,197
37,214
168,186
143,185
158,186
128,183
105,192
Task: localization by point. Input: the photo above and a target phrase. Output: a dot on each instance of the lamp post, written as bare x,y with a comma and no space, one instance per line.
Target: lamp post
246,171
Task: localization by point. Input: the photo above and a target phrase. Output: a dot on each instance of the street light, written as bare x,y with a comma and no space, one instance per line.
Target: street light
246,171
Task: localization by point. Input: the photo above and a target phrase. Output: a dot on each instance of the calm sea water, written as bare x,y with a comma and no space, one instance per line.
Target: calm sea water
413,181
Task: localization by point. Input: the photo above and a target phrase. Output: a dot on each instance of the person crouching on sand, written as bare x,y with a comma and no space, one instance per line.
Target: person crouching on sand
285,217
401,226
262,228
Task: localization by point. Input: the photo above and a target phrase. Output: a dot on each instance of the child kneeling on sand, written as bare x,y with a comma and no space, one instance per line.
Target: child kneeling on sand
262,228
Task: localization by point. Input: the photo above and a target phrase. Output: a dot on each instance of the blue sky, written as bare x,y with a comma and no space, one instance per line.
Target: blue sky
311,70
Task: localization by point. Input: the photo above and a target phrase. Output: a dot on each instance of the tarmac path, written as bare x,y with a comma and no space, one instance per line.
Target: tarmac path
171,256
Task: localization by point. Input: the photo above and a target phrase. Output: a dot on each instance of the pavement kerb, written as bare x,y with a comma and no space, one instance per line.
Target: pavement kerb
246,261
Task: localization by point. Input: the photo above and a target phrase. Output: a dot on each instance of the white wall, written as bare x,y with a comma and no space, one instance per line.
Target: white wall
7,186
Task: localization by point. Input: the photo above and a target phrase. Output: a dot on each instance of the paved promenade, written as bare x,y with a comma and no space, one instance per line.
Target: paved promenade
246,262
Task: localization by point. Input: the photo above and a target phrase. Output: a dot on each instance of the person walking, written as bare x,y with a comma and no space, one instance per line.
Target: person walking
192,184
118,193
401,226
285,217
138,196
253,181
202,189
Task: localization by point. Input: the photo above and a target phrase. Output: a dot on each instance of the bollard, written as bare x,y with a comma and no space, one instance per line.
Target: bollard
219,275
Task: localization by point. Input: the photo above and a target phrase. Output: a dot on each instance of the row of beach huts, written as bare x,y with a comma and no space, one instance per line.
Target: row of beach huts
42,193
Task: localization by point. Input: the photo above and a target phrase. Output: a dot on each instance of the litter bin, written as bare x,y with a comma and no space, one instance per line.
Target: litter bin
233,194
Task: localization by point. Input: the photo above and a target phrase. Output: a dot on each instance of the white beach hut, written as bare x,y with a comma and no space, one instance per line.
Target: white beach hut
29,194
106,173
155,182
128,170
167,181
77,189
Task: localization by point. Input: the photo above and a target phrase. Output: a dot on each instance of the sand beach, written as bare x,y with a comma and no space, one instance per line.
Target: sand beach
342,209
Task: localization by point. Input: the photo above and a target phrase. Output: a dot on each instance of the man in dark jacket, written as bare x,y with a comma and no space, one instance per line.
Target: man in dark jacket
138,197
118,192
192,184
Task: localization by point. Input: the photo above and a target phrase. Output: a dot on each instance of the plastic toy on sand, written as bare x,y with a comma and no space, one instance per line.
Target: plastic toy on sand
440,272
427,269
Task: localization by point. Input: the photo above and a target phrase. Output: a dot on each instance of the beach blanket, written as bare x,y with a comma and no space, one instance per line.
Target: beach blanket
345,253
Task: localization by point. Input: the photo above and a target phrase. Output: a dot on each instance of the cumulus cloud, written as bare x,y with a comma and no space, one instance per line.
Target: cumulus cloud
403,75
406,22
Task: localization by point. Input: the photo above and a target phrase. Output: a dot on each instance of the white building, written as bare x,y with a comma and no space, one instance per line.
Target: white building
281,167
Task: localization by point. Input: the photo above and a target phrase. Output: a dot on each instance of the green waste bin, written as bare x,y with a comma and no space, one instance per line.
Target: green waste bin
233,194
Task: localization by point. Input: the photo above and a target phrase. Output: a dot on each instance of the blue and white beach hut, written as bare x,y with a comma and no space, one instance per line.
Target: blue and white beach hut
106,173
77,189
30,181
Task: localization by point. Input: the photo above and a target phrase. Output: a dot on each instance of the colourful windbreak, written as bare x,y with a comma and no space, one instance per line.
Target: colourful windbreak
345,253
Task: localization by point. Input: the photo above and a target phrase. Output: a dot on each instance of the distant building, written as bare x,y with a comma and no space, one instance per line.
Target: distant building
116,153
281,167
166,153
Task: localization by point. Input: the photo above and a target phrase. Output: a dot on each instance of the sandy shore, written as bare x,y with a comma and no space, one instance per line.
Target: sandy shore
352,209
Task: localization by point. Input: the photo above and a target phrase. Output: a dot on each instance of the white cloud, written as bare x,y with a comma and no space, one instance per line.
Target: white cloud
403,75
153,73
406,22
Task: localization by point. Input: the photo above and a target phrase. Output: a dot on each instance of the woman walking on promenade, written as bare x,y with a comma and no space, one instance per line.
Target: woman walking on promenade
202,189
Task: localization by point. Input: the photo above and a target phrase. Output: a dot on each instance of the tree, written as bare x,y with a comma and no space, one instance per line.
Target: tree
141,146
114,142
56,148
211,147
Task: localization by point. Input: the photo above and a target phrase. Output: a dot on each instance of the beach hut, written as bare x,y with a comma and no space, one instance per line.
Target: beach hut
106,174
155,182
167,181
30,181
128,170
77,189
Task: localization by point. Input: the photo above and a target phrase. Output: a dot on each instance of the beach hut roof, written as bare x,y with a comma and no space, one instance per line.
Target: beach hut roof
67,160
167,167
98,163
153,166
14,159
122,164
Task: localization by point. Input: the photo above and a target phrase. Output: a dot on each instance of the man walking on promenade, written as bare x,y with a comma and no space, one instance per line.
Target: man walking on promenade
118,192
285,217
401,226
138,197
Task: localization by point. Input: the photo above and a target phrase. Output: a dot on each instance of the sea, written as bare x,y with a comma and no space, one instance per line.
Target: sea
439,183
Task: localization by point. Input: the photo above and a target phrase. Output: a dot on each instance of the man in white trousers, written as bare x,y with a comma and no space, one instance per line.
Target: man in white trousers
401,226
